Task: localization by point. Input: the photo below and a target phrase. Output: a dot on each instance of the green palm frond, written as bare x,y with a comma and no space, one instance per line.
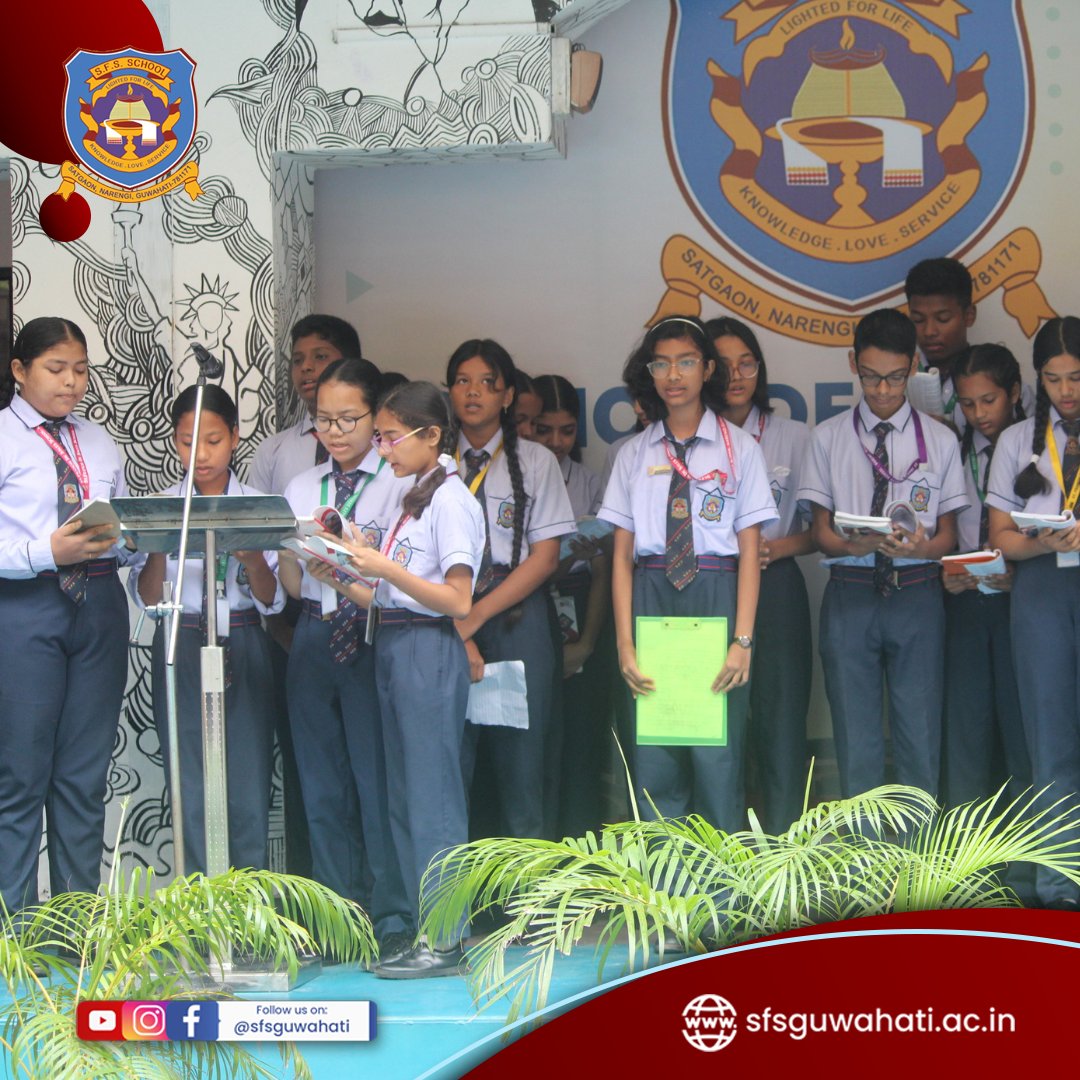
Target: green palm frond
891,849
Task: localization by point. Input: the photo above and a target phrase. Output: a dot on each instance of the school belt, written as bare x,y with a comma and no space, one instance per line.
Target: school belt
396,616
243,617
314,609
94,568
499,573
900,578
704,562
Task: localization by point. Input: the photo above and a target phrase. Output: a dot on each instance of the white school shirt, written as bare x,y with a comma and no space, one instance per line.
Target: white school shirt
967,521
450,532
785,444
838,475
582,488
373,514
283,456
1012,456
636,498
28,512
238,595
548,513
612,453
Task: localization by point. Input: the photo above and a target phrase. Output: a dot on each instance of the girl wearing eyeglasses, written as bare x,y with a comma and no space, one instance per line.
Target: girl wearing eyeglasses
247,585
688,498
333,705
778,706
520,488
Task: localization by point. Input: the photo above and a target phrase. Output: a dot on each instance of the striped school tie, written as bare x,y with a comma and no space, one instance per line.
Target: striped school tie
680,563
344,623
883,565
1070,461
984,512
475,460
68,500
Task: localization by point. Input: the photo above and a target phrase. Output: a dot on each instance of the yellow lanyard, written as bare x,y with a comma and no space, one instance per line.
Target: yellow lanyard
1055,460
478,479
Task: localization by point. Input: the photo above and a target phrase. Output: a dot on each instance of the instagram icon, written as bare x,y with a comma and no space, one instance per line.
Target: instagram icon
144,1020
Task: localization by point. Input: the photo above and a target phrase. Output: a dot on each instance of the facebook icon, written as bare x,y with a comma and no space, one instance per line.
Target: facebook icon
196,1020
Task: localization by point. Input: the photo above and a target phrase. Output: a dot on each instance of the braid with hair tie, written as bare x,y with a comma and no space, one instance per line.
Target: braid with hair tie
517,481
1030,481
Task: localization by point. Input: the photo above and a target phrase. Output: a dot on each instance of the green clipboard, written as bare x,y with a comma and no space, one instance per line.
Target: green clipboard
682,656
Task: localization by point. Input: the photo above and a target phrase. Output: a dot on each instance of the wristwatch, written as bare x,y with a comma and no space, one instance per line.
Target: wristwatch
743,640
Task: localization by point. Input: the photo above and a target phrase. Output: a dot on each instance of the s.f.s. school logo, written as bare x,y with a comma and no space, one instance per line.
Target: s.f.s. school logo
831,144
712,505
403,553
371,533
505,518
920,496
130,118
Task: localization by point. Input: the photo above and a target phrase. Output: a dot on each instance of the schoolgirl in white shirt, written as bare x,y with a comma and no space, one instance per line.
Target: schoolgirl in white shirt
63,653
336,725
783,660
424,572
688,498
522,492
246,587
1036,468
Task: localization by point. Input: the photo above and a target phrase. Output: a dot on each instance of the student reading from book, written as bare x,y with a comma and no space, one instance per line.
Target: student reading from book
1036,468
333,705
688,497
882,623
984,737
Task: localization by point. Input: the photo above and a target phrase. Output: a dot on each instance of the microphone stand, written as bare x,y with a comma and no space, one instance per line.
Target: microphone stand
172,606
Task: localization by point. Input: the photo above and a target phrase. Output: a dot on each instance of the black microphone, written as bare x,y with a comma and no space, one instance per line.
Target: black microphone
210,367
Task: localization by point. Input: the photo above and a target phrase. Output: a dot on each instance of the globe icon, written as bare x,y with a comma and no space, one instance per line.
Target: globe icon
709,1022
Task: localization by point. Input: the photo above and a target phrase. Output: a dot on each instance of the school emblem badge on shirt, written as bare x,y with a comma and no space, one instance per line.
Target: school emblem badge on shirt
920,497
403,553
506,514
371,533
712,505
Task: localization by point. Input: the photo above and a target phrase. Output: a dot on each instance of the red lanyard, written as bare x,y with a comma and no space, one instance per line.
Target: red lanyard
760,427
920,446
393,535
78,466
713,474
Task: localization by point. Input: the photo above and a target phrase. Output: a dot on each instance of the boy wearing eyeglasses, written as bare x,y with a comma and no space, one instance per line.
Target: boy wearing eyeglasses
882,617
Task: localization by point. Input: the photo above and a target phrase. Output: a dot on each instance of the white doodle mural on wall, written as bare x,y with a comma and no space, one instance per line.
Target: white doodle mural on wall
233,269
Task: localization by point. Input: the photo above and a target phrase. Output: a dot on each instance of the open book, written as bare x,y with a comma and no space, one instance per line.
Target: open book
327,551
97,512
854,524
1025,521
977,563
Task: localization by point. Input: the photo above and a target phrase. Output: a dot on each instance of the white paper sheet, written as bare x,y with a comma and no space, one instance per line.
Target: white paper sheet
500,698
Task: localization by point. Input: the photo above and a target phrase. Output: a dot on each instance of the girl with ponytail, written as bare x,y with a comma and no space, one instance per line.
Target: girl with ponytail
981,720
424,572
1036,468
521,491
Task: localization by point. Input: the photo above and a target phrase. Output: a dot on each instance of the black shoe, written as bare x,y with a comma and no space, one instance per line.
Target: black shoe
423,962
394,946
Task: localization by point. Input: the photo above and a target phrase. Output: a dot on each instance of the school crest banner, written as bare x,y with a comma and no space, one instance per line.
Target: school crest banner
827,145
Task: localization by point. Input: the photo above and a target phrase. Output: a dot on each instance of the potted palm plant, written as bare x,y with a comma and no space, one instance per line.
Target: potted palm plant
133,940
663,885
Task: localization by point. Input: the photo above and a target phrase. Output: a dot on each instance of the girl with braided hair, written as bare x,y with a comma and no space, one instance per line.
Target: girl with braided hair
1036,468
981,720
526,507
425,570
